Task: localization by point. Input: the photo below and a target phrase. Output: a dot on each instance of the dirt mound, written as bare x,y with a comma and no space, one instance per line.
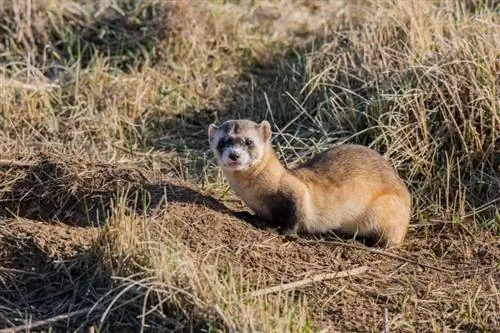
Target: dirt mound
52,188
443,275
436,273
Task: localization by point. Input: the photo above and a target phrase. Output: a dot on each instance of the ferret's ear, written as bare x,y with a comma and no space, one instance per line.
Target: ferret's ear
211,131
265,129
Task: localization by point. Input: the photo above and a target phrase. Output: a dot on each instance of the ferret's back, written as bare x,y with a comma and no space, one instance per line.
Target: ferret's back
348,161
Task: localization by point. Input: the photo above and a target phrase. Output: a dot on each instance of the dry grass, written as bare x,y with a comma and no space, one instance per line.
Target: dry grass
113,216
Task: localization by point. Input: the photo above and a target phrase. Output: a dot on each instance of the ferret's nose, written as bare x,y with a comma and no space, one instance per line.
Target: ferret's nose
234,155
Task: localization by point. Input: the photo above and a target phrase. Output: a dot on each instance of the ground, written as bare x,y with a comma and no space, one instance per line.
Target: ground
114,217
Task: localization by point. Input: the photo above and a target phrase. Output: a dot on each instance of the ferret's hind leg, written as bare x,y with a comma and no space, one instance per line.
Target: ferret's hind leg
390,217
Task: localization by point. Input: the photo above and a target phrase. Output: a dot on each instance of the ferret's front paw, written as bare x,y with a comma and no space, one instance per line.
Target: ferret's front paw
288,231
243,215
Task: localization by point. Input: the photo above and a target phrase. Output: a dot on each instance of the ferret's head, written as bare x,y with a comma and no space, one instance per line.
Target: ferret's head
239,144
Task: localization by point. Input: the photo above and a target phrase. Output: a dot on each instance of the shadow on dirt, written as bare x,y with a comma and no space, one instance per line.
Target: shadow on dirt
51,247
49,271
36,287
81,195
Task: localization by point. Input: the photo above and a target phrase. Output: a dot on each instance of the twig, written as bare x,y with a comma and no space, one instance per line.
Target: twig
230,326
15,163
33,87
45,321
316,278
386,320
18,271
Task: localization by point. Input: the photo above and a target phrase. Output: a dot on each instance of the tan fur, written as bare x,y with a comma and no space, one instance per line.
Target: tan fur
350,189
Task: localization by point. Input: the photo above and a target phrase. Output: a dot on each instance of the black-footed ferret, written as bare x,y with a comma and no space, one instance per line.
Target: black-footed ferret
349,189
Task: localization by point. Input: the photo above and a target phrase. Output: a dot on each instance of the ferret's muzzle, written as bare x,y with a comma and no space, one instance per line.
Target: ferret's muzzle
235,157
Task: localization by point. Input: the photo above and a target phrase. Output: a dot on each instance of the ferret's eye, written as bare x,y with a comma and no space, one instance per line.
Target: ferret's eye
249,142
220,145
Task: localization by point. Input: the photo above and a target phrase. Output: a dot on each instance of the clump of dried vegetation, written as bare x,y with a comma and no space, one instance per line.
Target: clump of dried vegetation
114,218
